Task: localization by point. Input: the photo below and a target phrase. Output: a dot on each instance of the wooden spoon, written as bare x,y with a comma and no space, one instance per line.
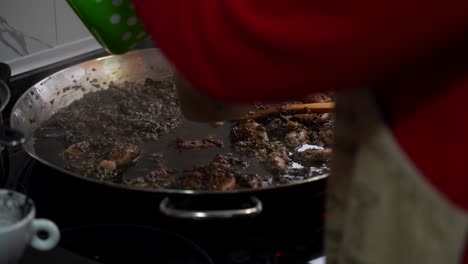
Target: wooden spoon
328,107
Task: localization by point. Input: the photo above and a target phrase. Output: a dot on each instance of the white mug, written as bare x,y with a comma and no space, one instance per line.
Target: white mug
19,228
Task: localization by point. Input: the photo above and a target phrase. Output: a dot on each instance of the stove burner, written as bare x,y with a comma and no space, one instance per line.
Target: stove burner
130,244
138,244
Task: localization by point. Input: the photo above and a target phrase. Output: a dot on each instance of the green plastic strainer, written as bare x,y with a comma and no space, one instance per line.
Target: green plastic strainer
114,23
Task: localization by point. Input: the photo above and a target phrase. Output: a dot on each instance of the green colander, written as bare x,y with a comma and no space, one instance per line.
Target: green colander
114,23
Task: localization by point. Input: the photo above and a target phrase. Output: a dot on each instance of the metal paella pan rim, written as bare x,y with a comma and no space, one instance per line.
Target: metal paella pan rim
5,74
35,106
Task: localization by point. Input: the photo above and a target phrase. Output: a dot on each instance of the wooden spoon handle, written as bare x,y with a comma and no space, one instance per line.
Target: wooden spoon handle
291,109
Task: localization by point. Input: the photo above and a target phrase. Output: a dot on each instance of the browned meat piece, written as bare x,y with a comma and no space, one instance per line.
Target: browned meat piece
314,119
301,172
192,180
314,155
220,174
77,148
107,171
326,136
227,183
277,129
235,161
276,164
107,165
249,181
274,154
291,124
220,164
249,130
125,154
296,139
157,178
205,143
324,118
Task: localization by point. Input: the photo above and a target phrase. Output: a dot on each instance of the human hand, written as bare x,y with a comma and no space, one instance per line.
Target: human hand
200,108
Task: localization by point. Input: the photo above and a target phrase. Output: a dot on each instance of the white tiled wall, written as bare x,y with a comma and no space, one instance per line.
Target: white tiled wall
69,27
32,19
34,33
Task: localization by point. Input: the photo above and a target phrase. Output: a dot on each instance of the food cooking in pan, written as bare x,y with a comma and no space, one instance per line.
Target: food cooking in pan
134,134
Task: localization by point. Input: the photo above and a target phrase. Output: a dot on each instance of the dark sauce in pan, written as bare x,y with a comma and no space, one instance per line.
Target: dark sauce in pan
104,125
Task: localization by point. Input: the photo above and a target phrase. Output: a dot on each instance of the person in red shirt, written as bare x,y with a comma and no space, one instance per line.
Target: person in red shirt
400,71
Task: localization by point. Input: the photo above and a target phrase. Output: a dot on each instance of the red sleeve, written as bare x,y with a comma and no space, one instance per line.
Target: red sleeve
245,50
248,50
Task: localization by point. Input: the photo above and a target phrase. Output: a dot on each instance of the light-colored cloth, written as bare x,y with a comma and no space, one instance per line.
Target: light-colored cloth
380,208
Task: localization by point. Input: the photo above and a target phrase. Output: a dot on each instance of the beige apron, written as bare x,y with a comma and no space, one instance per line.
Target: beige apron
380,208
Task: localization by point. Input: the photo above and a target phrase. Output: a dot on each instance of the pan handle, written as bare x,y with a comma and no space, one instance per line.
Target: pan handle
167,209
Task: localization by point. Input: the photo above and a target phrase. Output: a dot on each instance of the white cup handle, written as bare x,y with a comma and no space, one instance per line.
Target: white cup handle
50,228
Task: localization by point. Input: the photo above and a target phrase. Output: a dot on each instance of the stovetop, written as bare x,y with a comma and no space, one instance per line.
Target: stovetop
237,245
